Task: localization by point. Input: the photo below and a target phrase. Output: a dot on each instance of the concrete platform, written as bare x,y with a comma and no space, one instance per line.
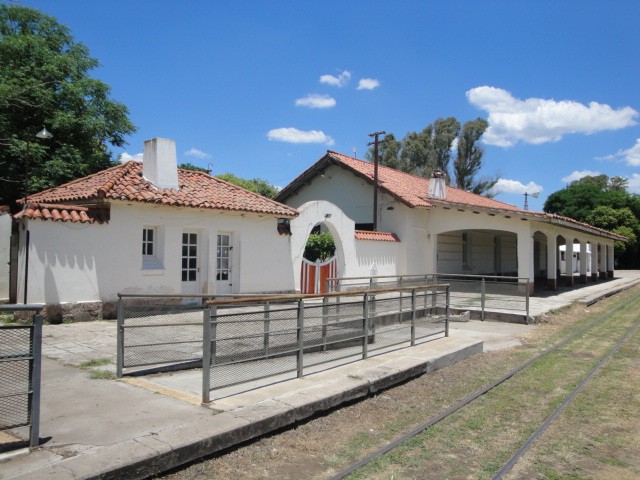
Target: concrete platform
137,427
115,429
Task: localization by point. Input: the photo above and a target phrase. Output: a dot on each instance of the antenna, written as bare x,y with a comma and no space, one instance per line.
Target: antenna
526,199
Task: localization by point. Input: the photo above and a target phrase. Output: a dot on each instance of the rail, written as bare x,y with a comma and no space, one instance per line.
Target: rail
482,295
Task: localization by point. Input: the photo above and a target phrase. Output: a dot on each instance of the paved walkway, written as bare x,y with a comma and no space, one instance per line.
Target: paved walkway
137,427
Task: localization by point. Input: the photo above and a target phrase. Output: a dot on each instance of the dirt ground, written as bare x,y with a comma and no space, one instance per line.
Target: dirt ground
320,447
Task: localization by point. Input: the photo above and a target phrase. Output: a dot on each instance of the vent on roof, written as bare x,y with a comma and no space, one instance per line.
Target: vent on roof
159,163
437,187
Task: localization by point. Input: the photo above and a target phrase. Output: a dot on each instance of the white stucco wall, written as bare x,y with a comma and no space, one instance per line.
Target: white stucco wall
352,194
5,254
431,238
376,258
81,262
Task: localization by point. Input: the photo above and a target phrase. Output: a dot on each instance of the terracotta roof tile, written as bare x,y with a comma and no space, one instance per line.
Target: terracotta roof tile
197,189
64,213
413,191
376,236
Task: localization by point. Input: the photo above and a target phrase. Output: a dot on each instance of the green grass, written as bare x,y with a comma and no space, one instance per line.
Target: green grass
96,373
96,362
102,375
475,442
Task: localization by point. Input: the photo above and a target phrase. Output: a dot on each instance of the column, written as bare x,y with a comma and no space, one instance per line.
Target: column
610,260
584,261
552,262
568,262
525,258
594,262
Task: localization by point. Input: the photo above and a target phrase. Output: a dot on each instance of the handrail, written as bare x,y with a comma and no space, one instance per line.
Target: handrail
455,275
322,295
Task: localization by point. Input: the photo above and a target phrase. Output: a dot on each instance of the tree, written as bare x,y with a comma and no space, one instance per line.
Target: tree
45,81
257,185
191,166
320,246
420,153
469,158
445,131
604,203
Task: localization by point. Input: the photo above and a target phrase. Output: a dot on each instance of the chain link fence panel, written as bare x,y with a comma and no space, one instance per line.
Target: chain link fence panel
20,360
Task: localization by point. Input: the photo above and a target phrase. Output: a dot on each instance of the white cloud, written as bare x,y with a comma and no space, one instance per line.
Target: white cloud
337,81
314,100
513,186
630,155
537,120
194,152
125,157
577,175
293,135
634,183
368,84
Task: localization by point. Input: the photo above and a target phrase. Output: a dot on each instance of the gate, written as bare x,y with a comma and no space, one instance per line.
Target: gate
20,361
314,275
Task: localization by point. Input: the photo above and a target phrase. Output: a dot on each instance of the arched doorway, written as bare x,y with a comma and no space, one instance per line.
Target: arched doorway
319,260
332,219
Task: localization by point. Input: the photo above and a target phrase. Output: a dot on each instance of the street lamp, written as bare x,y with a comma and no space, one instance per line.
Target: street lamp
44,135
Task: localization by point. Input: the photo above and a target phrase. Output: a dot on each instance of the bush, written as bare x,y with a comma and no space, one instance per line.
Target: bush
320,246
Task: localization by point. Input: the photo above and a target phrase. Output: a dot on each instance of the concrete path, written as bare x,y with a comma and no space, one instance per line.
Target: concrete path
137,427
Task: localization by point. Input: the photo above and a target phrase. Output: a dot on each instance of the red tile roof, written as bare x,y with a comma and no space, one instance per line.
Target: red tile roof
197,190
376,236
64,213
413,191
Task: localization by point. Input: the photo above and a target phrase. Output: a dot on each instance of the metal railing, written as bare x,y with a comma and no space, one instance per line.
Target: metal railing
160,332
480,293
245,340
20,370
249,338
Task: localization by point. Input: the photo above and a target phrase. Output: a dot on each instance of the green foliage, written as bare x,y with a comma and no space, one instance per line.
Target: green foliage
469,159
45,81
190,166
632,240
320,246
256,185
420,153
604,203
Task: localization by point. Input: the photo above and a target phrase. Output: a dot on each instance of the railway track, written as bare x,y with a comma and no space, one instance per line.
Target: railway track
372,457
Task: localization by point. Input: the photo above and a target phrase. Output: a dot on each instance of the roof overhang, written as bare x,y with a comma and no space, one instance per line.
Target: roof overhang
527,215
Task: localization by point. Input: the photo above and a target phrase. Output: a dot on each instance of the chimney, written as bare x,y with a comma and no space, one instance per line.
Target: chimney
159,163
437,187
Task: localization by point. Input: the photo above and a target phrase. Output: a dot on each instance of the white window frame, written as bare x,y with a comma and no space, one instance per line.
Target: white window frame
152,263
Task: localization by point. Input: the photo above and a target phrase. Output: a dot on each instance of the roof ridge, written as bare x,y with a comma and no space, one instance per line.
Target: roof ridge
119,170
74,181
420,178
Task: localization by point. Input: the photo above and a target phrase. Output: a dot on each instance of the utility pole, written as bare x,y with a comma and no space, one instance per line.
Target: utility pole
375,176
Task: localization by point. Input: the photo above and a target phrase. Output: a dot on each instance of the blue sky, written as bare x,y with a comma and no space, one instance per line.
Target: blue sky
264,88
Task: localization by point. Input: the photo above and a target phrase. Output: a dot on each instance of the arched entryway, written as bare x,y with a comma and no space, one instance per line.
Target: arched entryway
326,217
319,261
